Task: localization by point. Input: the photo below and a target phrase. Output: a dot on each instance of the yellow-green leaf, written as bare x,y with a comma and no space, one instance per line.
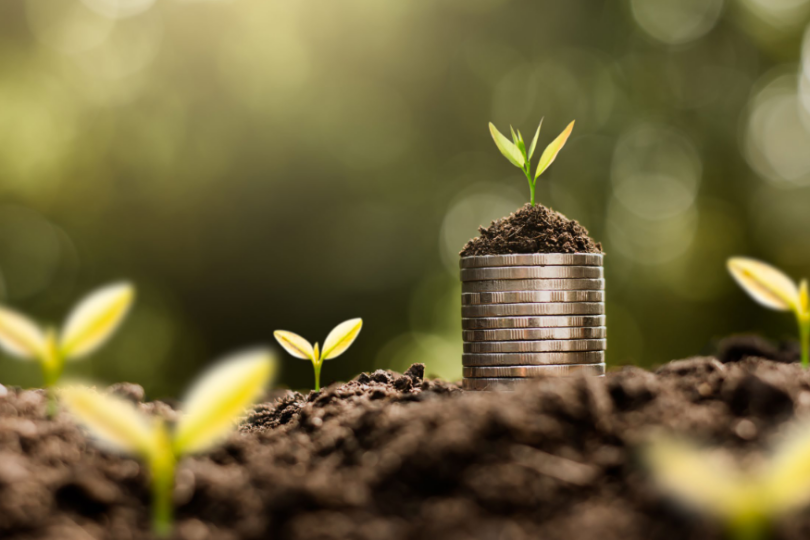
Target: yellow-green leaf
295,345
767,285
786,478
112,420
551,151
507,147
699,478
316,352
341,338
95,319
20,336
534,141
804,298
220,397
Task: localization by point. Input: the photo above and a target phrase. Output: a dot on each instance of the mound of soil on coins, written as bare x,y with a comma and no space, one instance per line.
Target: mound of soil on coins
399,457
532,229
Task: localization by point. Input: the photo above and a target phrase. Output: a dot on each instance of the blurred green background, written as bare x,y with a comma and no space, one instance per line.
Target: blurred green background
275,164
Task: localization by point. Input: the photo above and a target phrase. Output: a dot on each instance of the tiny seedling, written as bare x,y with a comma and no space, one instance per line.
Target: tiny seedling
91,323
773,289
745,500
210,412
336,344
517,154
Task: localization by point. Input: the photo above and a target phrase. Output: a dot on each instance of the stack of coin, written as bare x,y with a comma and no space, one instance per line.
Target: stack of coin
531,315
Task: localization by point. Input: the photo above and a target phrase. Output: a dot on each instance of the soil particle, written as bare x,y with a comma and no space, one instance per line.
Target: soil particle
532,229
400,457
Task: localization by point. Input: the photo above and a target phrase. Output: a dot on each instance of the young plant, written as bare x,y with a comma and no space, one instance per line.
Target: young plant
91,323
746,501
517,154
210,412
336,344
773,289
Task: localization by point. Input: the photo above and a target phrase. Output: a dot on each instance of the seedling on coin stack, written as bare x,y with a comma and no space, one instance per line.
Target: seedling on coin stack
746,501
519,156
773,289
336,344
209,414
91,323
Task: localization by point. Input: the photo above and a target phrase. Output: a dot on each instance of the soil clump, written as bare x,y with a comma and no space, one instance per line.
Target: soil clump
399,457
532,229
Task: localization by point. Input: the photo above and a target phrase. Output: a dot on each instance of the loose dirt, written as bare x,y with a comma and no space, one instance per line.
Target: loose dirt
532,229
399,457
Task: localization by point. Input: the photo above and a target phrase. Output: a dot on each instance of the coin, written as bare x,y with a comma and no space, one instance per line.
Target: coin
531,272
532,285
492,323
528,334
533,359
531,297
533,371
527,310
502,384
535,346
533,259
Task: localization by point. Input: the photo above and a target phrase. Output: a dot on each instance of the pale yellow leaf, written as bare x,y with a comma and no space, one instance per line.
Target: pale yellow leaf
767,285
220,397
507,147
113,421
804,298
94,320
786,479
341,338
699,478
20,336
295,344
551,151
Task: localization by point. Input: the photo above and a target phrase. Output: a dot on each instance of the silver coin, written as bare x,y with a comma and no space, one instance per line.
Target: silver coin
533,359
529,334
502,384
533,371
494,323
531,272
532,259
562,345
530,297
501,285
528,310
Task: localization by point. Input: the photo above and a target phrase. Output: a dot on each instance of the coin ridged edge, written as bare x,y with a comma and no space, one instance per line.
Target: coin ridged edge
533,259
532,359
532,372
540,321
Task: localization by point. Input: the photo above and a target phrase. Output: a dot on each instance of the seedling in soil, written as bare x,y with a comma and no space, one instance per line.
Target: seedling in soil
209,414
91,323
773,289
336,344
745,500
517,154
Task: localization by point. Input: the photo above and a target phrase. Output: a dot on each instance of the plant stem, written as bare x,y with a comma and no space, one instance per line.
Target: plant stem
317,366
804,339
749,528
162,466
531,184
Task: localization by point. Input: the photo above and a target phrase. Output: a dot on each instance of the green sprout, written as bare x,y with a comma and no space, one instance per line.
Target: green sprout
773,289
747,501
210,413
336,344
91,323
517,154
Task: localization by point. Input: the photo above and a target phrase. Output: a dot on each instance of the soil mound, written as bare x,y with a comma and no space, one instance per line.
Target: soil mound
397,457
532,229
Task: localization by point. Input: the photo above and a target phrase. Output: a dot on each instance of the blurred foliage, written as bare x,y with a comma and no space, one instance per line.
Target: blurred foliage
251,164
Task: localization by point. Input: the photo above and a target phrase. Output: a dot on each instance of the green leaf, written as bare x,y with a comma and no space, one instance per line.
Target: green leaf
551,151
507,147
534,141
514,136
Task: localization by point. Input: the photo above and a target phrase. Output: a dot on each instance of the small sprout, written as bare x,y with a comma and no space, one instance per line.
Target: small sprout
210,413
773,289
336,344
517,154
91,323
747,501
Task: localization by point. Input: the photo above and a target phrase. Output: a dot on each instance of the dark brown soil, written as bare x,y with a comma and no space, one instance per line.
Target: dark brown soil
532,229
396,457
